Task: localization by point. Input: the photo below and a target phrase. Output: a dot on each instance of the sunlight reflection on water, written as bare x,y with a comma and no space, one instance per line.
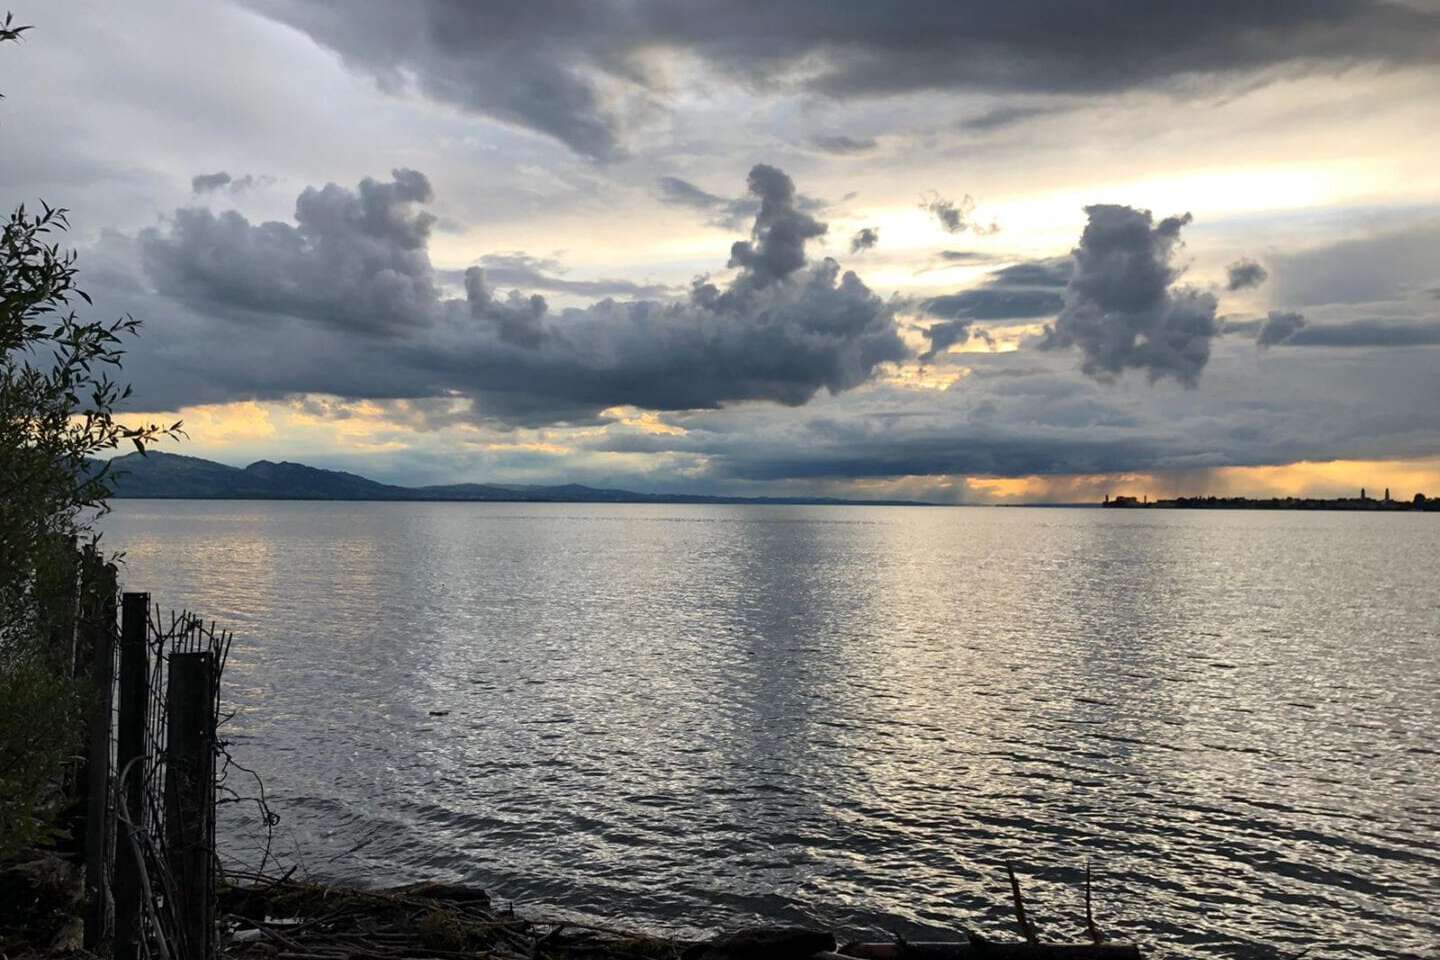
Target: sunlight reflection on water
694,716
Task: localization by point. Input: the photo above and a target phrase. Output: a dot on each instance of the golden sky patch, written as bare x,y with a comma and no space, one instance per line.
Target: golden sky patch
214,425
1335,478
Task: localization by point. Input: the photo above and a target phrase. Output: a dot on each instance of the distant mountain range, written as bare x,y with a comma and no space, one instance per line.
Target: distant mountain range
170,476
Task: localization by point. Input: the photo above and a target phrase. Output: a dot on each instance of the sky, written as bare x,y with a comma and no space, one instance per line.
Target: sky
986,252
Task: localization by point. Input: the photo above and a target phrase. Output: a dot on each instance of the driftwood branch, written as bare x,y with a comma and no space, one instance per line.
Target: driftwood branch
979,947
1025,926
1095,935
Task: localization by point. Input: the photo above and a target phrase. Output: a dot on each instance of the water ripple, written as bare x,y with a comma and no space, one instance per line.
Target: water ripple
689,717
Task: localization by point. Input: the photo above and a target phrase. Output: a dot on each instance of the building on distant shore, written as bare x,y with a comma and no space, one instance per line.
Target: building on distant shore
1420,502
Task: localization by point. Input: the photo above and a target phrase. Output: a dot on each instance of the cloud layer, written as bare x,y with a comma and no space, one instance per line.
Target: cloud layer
519,269
1021,292
354,272
1298,152
588,74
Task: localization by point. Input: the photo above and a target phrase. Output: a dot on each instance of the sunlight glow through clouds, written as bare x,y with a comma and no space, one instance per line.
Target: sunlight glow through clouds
215,425
927,377
239,432
646,421
1046,224
1336,478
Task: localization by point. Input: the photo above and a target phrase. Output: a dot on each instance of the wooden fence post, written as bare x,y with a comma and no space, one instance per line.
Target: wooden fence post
99,821
130,749
190,796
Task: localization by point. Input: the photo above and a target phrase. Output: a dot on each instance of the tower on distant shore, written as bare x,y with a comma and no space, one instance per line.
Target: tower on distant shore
1387,494
1362,493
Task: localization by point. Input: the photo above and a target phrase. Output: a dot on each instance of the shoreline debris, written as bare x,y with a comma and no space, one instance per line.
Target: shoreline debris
286,919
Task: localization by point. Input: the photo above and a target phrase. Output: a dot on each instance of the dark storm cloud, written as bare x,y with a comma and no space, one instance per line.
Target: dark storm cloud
842,145
879,446
1001,117
683,193
943,336
864,239
355,260
983,453
546,66
1021,291
1278,327
203,183
583,73
1024,413
518,320
994,303
519,269
206,182
1368,333
1245,273
351,295
777,245
731,213
954,215
1052,272
780,340
1249,327
1009,421
1122,308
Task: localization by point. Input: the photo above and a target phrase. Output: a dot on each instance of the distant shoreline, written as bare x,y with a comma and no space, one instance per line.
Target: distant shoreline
168,476
657,500
1361,504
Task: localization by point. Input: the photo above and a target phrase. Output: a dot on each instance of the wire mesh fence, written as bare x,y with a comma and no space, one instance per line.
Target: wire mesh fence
151,845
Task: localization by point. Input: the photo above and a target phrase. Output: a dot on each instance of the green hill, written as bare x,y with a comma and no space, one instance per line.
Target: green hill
171,476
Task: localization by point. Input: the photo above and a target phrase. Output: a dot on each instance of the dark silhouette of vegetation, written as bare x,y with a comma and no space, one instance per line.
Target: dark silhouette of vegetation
57,402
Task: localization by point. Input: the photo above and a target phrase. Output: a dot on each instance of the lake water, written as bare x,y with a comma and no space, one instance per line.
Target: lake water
696,716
